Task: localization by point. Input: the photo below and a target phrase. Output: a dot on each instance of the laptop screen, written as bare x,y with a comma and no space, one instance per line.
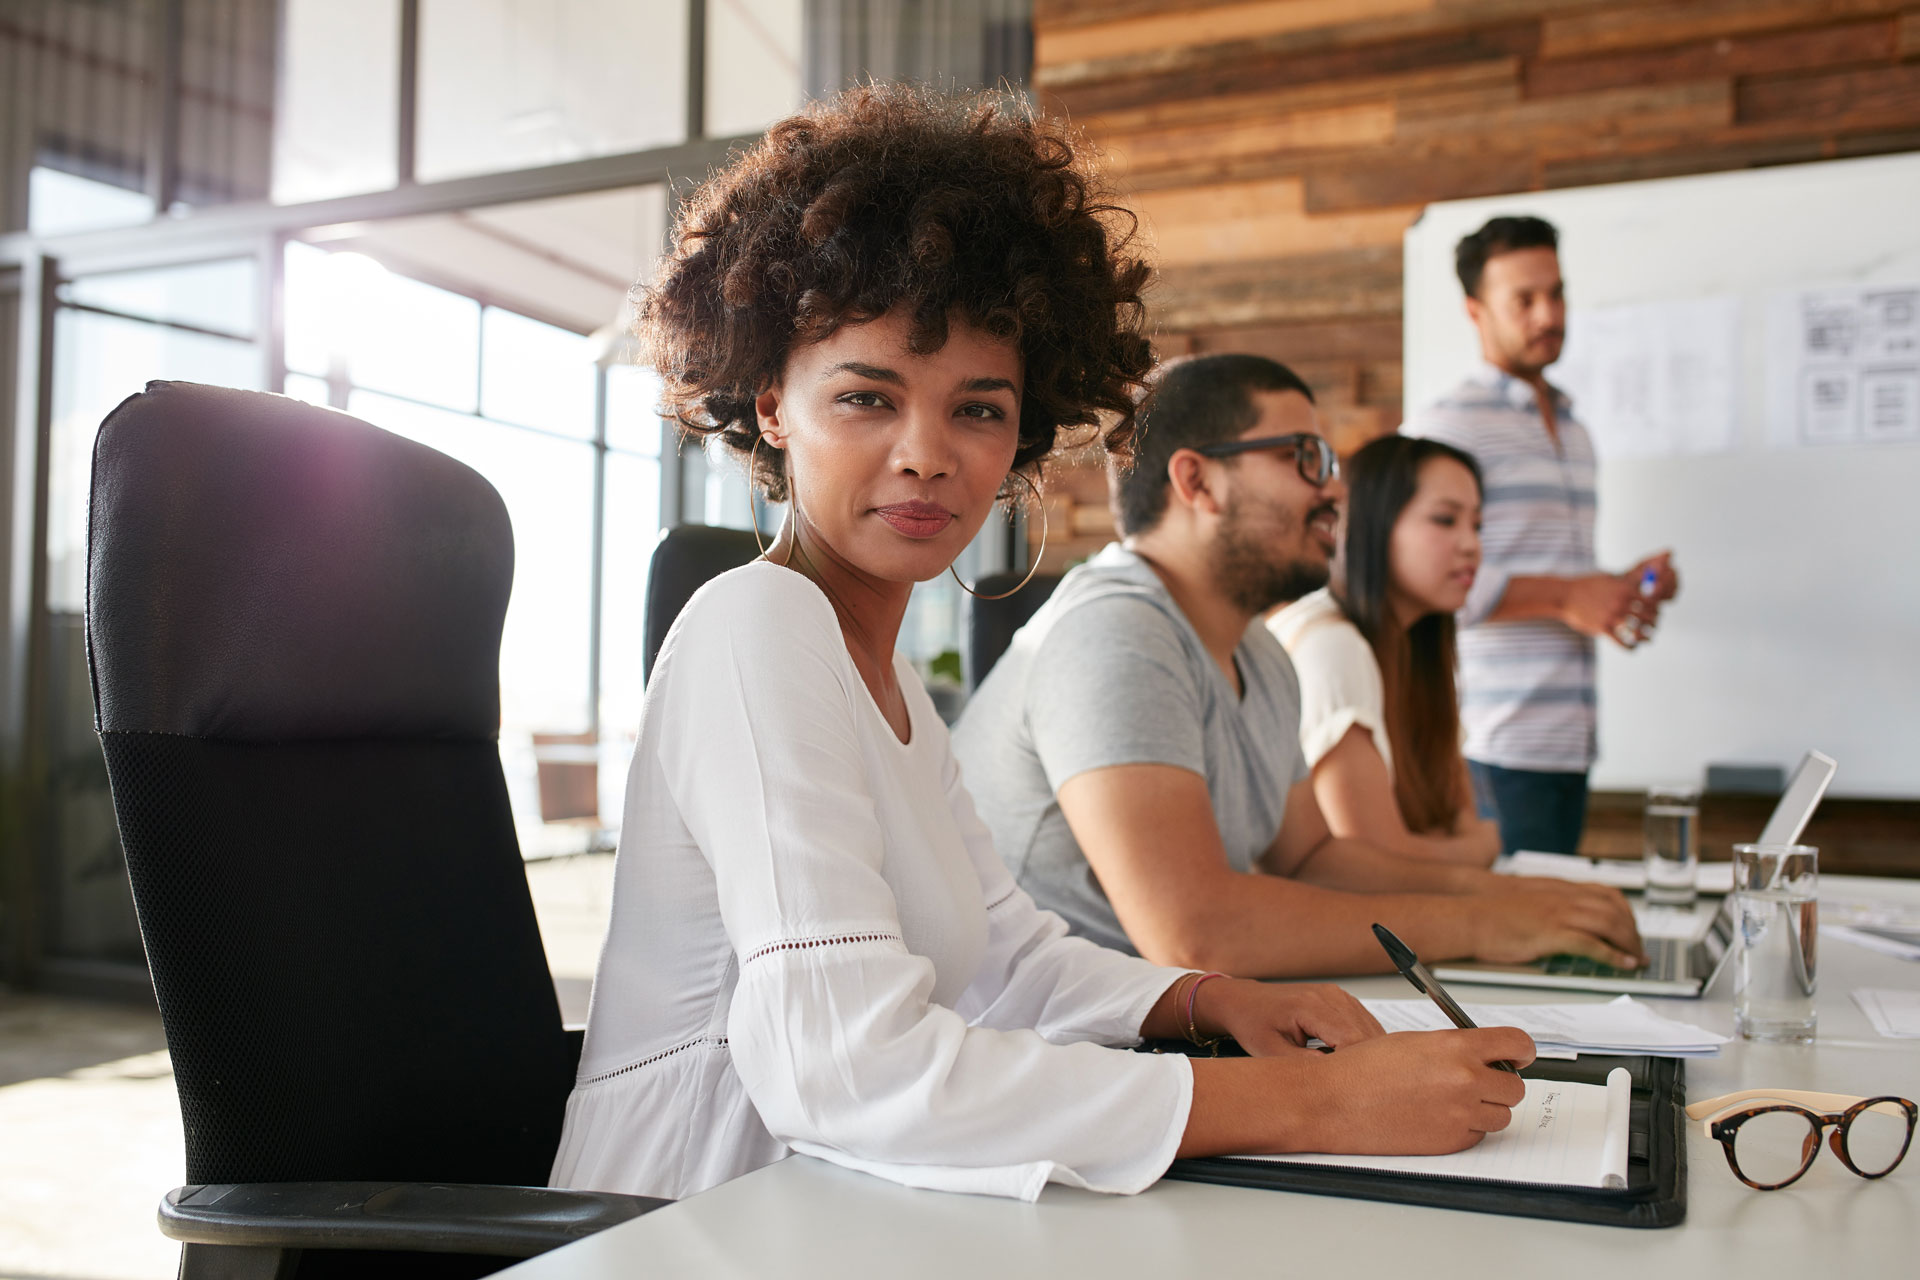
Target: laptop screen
1799,800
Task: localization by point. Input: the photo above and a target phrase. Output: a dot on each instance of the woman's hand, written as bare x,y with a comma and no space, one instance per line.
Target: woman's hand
1274,1018
1414,1093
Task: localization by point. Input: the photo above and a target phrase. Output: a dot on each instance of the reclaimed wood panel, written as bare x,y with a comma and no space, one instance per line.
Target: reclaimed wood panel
1647,25
1716,155
1299,58
1193,148
1213,108
1881,96
1235,221
1907,42
1216,24
1347,284
1847,44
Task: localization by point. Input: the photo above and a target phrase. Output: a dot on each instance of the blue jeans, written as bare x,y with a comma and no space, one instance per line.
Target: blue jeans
1535,810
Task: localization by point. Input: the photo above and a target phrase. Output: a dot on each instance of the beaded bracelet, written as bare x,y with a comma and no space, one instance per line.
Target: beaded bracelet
1193,1032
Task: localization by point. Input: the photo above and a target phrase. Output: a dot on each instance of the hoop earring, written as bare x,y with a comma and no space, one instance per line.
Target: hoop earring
1041,502
753,457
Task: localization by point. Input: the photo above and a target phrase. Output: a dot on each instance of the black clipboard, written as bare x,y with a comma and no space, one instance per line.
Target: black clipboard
1655,1196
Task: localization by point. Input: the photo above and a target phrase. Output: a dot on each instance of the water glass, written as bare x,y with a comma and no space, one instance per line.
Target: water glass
1672,846
1776,933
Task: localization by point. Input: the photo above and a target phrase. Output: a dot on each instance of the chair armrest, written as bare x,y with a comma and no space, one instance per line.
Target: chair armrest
430,1217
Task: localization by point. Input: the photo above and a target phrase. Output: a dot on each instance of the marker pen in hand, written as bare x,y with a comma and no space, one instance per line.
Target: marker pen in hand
1649,583
1634,630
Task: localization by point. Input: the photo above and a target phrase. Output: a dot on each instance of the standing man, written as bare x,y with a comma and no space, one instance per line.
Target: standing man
1528,629
1136,751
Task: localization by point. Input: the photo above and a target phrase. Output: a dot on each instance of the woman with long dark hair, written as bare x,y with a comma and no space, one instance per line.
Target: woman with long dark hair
1380,715
890,309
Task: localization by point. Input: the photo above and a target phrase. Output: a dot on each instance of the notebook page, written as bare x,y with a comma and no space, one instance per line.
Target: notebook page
1563,1134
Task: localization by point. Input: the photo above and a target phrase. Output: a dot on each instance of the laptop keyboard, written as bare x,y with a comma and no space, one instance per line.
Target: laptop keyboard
1666,957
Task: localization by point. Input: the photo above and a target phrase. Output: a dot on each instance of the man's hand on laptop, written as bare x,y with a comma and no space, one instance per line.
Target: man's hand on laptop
1528,919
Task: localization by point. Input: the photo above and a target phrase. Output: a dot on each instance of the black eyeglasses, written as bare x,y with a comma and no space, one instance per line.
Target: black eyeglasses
1771,1136
1312,454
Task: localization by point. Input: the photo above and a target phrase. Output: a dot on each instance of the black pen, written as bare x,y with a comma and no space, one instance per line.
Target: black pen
1413,971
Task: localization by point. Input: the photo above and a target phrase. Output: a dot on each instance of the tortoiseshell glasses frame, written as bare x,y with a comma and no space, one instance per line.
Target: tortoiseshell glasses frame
1722,1118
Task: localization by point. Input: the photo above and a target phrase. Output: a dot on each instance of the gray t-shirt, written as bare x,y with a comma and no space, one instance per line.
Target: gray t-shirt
1110,672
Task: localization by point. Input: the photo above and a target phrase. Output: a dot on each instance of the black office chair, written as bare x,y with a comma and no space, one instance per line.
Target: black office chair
293,628
991,623
685,559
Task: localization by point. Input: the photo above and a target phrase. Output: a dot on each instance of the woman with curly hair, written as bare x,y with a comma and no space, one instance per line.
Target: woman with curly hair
891,308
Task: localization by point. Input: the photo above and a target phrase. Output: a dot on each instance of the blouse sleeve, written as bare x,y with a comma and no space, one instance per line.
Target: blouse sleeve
1339,687
1033,973
831,1027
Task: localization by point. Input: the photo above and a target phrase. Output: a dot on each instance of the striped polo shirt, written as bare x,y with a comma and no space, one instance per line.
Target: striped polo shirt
1526,688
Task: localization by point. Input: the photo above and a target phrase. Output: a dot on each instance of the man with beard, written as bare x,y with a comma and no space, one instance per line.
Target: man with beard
1136,751
1527,632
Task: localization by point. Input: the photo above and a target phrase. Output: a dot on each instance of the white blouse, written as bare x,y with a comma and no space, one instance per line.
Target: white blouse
814,947
1340,684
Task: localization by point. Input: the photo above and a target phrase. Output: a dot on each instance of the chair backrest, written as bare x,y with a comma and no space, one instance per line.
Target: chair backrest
991,623
293,628
686,558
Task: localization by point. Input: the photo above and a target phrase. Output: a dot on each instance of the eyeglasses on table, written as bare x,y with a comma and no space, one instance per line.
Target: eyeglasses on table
1312,454
1771,1136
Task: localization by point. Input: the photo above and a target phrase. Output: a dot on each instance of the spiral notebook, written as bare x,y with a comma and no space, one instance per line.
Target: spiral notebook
1563,1134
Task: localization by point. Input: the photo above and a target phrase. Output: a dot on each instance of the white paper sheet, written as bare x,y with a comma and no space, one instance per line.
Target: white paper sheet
1654,379
1895,1014
1621,1025
1843,367
1561,1134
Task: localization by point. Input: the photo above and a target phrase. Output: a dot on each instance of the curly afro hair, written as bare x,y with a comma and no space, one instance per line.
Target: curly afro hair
889,196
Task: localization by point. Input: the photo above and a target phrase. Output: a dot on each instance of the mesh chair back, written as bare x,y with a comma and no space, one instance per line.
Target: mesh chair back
293,629
687,558
991,623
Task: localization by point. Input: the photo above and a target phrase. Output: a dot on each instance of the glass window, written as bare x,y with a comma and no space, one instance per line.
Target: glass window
753,64
312,390
393,334
631,529
536,374
98,362
547,485
633,402
58,202
508,84
336,125
305,314
210,295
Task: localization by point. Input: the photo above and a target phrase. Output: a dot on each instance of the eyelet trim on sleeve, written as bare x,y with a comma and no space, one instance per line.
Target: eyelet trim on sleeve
1003,899
808,944
717,1042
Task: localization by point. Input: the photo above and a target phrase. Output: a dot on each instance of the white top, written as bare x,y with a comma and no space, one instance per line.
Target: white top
814,947
1340,684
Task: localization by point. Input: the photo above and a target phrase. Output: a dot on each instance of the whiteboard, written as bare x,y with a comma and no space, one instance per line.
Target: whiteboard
1798,623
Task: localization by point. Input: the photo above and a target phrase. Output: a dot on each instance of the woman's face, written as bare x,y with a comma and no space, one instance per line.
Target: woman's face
894,458
1435,550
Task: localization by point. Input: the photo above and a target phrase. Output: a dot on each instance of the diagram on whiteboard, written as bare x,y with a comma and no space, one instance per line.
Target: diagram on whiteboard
1844,367
1654,379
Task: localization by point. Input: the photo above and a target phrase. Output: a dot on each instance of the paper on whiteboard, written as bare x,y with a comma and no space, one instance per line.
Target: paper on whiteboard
1654,379
1843,367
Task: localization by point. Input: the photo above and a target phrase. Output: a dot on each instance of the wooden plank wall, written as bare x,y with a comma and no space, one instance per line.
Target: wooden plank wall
1277,149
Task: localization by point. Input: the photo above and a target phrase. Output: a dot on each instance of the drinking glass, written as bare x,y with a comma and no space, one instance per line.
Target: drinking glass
1672,846
1777,927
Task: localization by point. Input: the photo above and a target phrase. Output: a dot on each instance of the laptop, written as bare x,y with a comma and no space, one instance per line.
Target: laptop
1678,966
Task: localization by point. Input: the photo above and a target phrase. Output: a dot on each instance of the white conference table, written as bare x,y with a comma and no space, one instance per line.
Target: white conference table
807,1218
